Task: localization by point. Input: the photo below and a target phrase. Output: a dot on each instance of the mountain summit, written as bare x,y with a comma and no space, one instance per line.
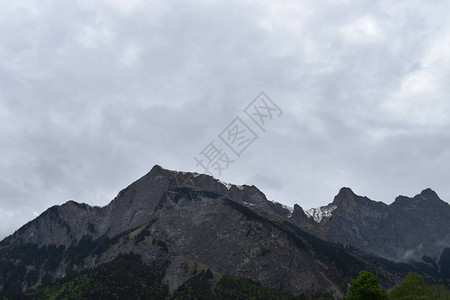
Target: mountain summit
408,229
185,224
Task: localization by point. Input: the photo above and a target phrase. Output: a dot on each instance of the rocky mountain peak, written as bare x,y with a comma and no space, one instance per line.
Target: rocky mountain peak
426,198
345,196
186,220
346,191
428,194
157,168
347,199
298,212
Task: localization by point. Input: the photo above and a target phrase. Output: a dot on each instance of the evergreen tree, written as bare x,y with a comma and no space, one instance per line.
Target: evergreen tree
366,287
413,287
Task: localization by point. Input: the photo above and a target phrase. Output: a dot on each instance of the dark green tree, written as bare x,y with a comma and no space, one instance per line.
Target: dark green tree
413,287
366,287
440,291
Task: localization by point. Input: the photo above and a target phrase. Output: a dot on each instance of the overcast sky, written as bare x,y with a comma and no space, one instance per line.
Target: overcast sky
94,93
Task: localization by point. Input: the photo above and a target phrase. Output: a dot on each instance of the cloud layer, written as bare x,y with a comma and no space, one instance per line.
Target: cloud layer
94,93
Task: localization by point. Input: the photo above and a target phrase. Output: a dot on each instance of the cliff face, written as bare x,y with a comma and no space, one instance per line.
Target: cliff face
185,223
410,229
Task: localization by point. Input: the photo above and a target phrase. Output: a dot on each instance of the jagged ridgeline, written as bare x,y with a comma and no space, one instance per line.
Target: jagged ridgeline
184,235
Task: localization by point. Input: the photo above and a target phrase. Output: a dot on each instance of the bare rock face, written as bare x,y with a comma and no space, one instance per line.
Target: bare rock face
408,229
184,222
188,222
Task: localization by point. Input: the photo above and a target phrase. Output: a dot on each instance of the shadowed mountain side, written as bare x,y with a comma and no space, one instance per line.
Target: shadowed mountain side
186,223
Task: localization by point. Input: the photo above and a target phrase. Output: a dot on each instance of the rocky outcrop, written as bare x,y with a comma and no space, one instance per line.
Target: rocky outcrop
408,229
186,223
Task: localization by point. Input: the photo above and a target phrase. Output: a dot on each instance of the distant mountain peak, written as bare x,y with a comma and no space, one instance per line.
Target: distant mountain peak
346,191
183,220
156,168
298,212
345,196
426,196
429,194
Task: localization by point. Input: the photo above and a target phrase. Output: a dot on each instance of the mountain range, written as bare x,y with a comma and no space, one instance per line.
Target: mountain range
188,224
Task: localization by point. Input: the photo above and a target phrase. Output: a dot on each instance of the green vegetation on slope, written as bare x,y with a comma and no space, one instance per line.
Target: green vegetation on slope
413,287
230,288
128,278
124,278
366,286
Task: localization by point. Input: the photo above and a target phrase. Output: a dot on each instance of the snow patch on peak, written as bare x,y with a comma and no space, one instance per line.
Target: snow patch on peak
289,208
318,214
227,185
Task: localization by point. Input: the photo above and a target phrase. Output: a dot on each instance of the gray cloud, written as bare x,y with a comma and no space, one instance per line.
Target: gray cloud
94,93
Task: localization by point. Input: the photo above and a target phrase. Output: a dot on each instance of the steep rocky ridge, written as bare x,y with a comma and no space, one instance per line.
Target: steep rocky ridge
184,223
408,229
